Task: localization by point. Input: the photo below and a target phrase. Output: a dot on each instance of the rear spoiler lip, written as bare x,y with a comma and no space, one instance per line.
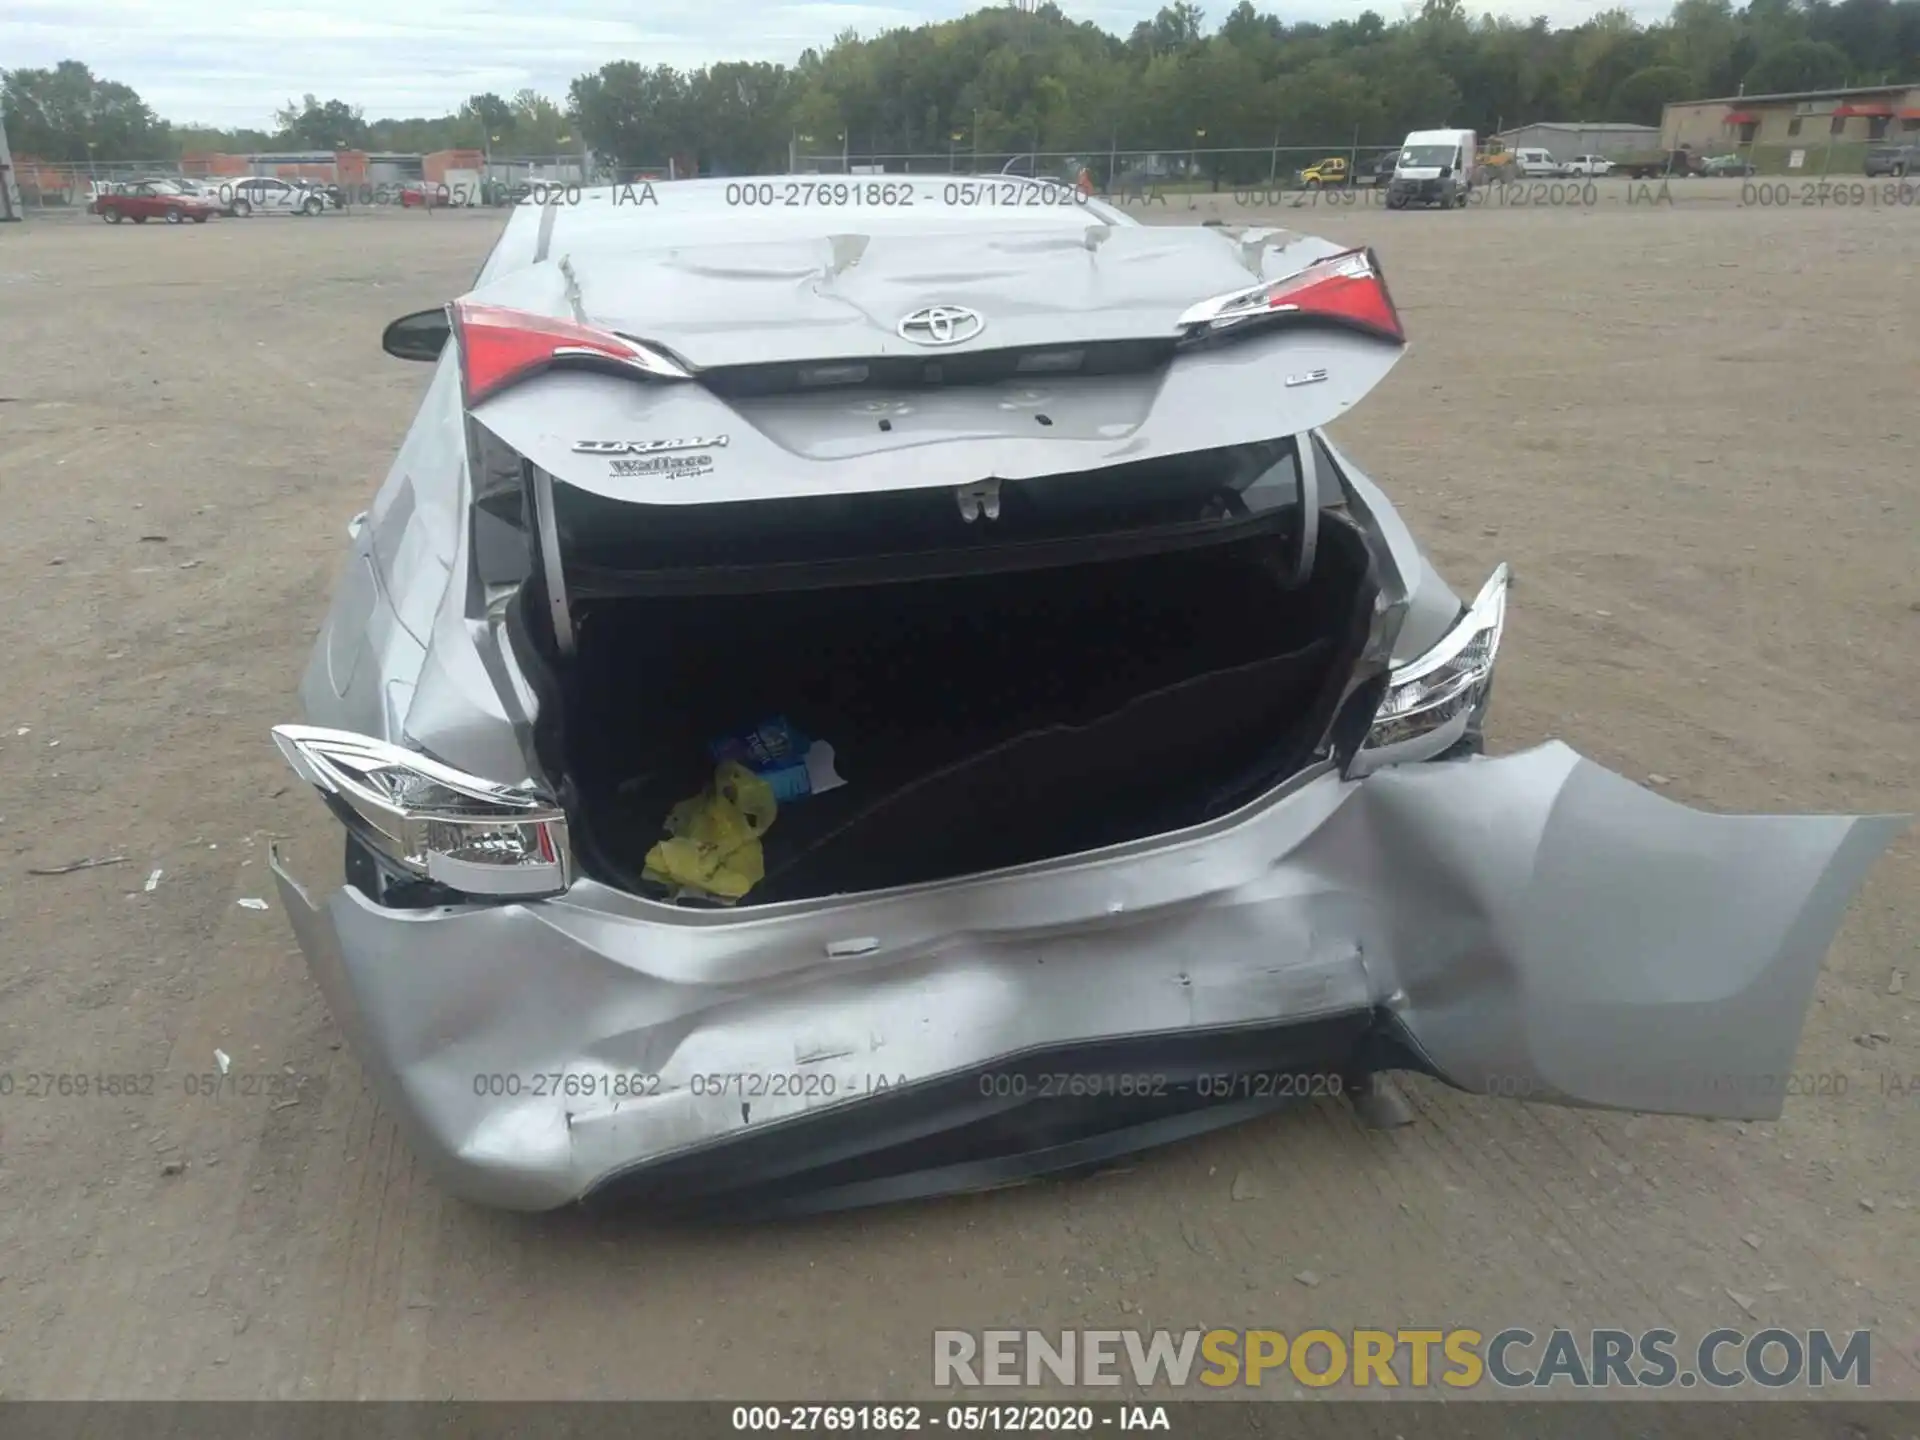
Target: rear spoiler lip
831,440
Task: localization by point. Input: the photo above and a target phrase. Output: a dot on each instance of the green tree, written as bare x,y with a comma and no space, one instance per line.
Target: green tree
1798,65
488,121
1004,81
1643,96
313,124
69,113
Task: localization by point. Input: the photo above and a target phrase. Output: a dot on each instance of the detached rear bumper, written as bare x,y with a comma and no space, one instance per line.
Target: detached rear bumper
1532,926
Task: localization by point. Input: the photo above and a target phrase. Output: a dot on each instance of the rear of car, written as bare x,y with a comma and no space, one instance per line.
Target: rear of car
145,200
1125,676
1894,160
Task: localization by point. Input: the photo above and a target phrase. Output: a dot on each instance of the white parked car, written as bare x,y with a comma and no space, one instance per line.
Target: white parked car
267,195
1536,165
1589,165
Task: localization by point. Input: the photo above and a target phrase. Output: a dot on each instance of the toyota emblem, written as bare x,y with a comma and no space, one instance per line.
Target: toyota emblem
942,325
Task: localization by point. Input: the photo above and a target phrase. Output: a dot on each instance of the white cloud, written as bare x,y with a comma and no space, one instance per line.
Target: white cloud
205,61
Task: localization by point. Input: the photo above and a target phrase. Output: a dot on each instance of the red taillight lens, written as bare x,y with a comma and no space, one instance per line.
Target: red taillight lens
499,346
1347,288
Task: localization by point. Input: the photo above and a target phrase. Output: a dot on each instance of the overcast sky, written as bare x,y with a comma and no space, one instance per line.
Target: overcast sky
228,64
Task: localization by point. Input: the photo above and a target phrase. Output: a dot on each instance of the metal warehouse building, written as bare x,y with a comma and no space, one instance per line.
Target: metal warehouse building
1825,129
1563,142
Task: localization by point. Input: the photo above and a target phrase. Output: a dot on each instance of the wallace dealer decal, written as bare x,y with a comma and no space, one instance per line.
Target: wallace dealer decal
658,457
674,467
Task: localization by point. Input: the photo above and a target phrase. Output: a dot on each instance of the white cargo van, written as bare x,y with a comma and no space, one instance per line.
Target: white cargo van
1537,165
1435,168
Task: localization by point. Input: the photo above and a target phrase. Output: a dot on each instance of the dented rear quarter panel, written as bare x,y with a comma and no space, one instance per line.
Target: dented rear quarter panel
1533,926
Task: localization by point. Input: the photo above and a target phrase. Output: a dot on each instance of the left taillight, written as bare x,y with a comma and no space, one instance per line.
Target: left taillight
1347,289
501,346
431,820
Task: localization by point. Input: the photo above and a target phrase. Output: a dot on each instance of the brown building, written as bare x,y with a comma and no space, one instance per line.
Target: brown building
1828,130
344,167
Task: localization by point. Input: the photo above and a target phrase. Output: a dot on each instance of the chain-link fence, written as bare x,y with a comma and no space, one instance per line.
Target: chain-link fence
48,187
380,180
1125,174
1113,170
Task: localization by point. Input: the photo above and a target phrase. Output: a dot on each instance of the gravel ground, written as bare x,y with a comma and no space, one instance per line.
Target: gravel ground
1691,427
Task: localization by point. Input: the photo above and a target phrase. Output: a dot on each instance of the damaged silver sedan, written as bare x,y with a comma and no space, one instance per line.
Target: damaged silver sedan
833,706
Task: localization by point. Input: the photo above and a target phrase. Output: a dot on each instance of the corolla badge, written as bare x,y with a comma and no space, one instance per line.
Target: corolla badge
941,325
649,447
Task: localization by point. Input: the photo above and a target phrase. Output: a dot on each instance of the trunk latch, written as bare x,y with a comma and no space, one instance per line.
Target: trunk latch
983,495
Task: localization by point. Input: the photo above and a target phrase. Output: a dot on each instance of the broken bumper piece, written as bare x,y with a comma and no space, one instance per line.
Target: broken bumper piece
1530,926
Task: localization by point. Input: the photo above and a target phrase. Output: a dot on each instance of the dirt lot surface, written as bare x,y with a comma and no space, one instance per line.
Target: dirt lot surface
1692,430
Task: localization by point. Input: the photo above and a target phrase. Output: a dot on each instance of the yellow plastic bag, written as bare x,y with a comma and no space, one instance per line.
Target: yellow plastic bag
712,843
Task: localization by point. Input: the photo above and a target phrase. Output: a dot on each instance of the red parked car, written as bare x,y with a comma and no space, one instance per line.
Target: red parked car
144,199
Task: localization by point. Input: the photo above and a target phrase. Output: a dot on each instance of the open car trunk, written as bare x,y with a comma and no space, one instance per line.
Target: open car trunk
979,720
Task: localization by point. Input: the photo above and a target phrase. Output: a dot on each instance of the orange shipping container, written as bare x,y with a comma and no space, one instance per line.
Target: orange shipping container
434,167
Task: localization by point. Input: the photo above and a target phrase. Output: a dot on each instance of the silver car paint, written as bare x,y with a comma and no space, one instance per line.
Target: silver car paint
803,299
1539,925
1542,928
623,220
762,302
832,444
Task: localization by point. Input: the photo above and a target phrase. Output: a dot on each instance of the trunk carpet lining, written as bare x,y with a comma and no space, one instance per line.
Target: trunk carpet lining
979,722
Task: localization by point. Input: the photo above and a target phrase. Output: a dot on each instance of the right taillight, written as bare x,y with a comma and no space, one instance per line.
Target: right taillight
431,820
1346,289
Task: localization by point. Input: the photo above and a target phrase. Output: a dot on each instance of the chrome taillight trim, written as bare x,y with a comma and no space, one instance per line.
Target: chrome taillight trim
1254,301
339,763
1426,710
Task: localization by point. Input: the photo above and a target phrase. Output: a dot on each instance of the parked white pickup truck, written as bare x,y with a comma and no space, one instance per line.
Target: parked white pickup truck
1588,165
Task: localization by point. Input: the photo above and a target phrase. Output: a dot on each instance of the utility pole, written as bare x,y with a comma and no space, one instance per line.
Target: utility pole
10,204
